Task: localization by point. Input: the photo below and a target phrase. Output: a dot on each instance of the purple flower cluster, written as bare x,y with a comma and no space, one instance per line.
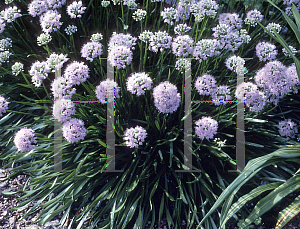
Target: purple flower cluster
168,14
291,73
56,60
55,4
205,84
10,14
37,7
274,26
253,98
145,36
2,25
220,95
287,129
62,88
233,62
63,109
181,65
293,50
252,16
206,127
134,137
39,71
5,44
231,19
266,51
206,48
91,50
288,9
207,7
183,10
24,140
180,29
182,45
74,130
4,57
77,72
75,9
160,39
3,105
120,56
107,91
121,39
50,21
166,98
138,83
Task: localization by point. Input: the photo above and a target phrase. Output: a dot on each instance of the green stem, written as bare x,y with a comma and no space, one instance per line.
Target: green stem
32,87
83,27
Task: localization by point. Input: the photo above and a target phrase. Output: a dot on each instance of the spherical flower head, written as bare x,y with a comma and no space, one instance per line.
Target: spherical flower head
209,7
77,72
107,91
182,65
2,25
272,26
55,4
138,83
97,37
56,61
181,29
71,29
206,48
139,15
160,39
221,32
293,50
287,129
3,105
75,9
122,39
220,95
10,14
168,15
231,19
206,127
182,11
182,45
120,56
63,109
4,57
50,21
25,139
105,3
74,130
5,44
292,75
266,51
233,41
233,62
17,68
43,39
134,137
145,36
130,3
91,50
37,7
245,38
39,71
252,16
205,84
62,88
166,98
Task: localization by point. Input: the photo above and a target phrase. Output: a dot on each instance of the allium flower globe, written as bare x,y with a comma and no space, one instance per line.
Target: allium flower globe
121,39
206,48
120,56
182,65
62,88
206,127
138,83
4,57
182,45
25,140
231,19
50,21
205,84
39,71
74,130
75,9
168,15
145,36
293,50
77,72
56,61
292,75
107,91
274,26
166,97
17,68
134,137
37,7
233,62
160,40
252,16
5,44
10,14
287,129
63,109
71,29
43,39
3,105
97,37
55,4
181,29
139,15
266,51
91,50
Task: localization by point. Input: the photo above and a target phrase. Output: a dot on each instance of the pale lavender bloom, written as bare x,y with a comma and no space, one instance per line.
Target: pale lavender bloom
43,39
292,75
180,29
207,7
56,60
63,109
50,21
119,56
10,14
77,72
62,88
233,41
293,50
105,3
289,2
272,26
233,62
182,45
5,44
4,57
166,98
145,36
130,3
37,7
107,91
206,48
245,38
71,29
25,139
55,4
252,16
266,51
205,84
97,37
39,71
181,65
168,15
74,130
287,129
3,105
220,32
231,19
2,25
252,97
91,50
75,9
139,15
17,68
134,137
220,95
138,83
122,39
183,11
206,127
